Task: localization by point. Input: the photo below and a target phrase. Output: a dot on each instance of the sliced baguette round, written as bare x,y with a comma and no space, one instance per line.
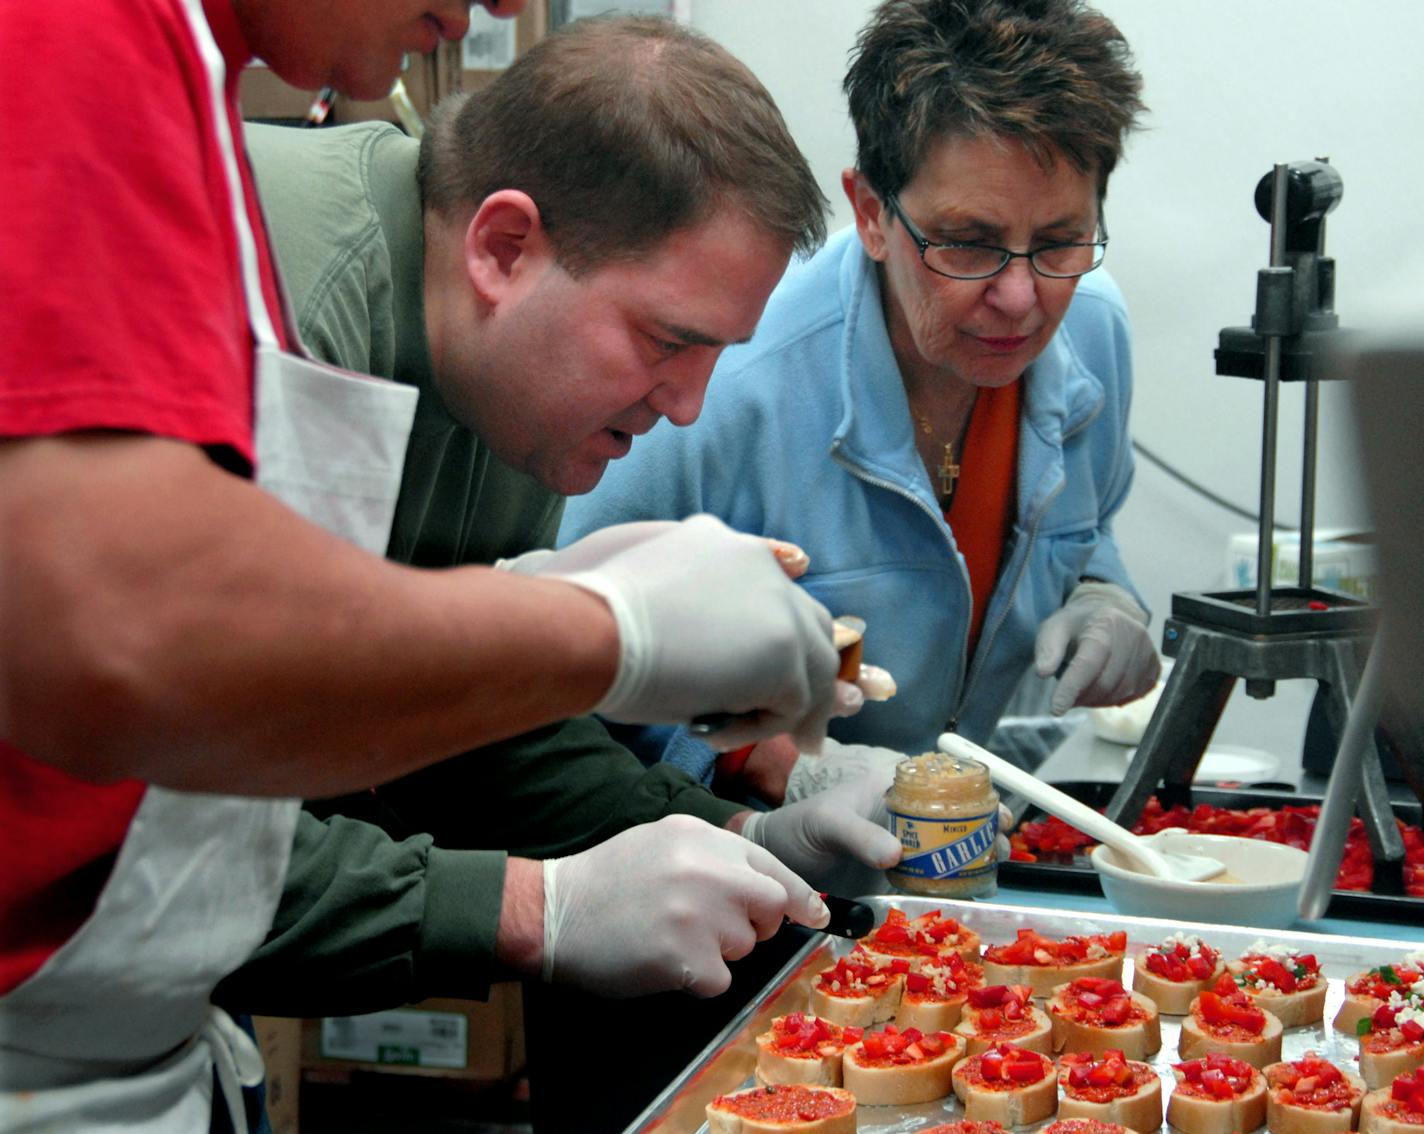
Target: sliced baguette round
855,991
1353,1009
1034,1032
1138,1106
920,938
1379,1114
1196,1114
779,1110
1368,990
1009,1104
1138,1038
1293,1009
819,1064
1043,979
1195,1041
881,1083
1386,1055
1285,1115
1172,997
1082,1126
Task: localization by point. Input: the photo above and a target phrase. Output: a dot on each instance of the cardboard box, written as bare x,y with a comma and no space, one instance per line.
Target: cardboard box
460,1039
281,1044
1344,561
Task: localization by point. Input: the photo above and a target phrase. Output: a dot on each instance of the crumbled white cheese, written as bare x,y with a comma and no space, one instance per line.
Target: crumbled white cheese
1190,940
1096,951
1415,960
1264,949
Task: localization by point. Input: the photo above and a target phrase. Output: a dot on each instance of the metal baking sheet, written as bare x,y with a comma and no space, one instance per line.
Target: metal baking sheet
1075,873
728,1062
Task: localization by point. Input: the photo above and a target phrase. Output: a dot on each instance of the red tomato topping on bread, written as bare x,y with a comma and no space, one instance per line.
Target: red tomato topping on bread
1008,1065
801,1032
1310,1082
1215,1076
1227,1009
1179,961
893,1046
1032,948
786,1102
1407,1095
1101,1078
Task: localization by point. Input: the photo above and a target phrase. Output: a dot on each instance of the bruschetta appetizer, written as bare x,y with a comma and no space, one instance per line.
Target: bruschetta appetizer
894,1067
1225,1021
792,1109
1391,1041
1110,1088
1217,1094
1082,1126
1176,972
1098,1015
858,991
1396,1109
965,1126
1044,963
929,935
1004,1013
1366,991
1284,981
1007,1084
802,1048
1312,1096
933,998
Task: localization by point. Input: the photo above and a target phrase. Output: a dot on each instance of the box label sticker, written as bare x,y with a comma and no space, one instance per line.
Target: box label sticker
400,1036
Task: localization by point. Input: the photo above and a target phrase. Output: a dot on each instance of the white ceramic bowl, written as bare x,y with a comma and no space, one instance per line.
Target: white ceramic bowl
1265,898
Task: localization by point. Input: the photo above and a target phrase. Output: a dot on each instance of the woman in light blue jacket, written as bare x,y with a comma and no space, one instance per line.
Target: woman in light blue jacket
935,406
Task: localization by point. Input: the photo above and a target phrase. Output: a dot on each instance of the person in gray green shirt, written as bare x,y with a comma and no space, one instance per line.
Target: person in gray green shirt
554,267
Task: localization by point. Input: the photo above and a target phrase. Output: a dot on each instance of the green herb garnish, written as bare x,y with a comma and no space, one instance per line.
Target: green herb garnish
1388,975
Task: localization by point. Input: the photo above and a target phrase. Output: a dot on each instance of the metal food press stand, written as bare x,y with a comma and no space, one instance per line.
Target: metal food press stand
1276,633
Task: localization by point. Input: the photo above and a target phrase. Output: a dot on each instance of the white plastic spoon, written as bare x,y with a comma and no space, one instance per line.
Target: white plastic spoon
1139,851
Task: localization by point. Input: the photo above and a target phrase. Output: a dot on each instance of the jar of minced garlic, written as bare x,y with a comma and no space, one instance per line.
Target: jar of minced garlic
945,812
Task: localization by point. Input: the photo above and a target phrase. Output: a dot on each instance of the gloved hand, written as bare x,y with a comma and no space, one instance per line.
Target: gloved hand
810,774
707,623
1103,632
841,762
663,906
837,839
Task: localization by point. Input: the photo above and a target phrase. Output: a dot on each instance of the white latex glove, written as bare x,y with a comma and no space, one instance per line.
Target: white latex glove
663,906
812,774
840,762
838,839
708,623
1103,634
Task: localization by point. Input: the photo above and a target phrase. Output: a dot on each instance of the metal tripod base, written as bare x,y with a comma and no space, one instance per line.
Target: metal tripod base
1209,661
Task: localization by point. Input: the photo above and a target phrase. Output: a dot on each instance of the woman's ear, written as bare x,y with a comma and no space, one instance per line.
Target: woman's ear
506,247
870,215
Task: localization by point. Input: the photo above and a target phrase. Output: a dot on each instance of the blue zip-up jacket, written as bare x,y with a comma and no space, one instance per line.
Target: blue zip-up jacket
806,436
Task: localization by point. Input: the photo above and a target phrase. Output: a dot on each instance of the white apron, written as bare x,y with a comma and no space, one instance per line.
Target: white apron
115,1032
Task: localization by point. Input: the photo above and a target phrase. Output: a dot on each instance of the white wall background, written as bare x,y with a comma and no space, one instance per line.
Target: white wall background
1233,87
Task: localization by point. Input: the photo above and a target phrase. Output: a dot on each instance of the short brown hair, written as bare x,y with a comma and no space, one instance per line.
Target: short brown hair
1054,75
623,130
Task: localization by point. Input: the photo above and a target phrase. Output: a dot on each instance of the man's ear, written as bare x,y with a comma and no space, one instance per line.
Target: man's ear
870,214
506,247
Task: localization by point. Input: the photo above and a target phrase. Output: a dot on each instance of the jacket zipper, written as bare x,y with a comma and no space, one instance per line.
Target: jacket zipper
899,490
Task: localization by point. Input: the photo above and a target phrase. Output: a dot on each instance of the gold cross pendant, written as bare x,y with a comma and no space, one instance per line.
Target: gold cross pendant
948,471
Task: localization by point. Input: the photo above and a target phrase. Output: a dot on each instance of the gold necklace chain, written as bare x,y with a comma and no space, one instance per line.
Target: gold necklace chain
948,470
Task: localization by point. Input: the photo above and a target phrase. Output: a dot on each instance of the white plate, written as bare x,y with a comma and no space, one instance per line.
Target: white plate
1232,762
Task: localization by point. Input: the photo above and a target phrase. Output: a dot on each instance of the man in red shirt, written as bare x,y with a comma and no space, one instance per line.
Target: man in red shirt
169,631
